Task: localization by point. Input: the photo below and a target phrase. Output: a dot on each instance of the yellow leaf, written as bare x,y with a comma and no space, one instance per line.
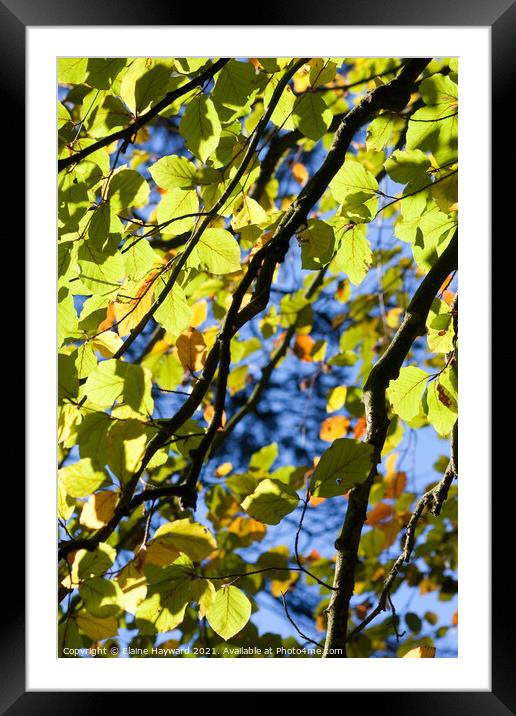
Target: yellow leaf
68,414
224,469
99,509
209,412
250,213
191,349
333,428
336,398
421,652
393,317
133,584
199,313
107,343
160,552
131,308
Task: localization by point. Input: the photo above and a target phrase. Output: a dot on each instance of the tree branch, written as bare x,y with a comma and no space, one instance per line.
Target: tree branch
385,370
128,132
393,95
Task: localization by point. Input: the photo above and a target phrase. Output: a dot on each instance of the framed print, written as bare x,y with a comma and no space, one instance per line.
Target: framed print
258,428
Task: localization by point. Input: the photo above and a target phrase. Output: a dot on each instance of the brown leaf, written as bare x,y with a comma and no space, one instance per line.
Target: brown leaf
191,349
333,428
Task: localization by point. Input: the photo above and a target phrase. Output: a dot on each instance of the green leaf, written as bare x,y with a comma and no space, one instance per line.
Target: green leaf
406,166
143,83
440,331
100,273
229,613
344,465
434,127
177,203
442,405
127,188
383,131
200,126
168,594
234,84
204,593
102,71
95,562
174,314
218,251
264,458
271,501
317,244
356,188
91,438
71,70
371,543
113,379
406,392
82,478
190,538
173,172
354,255
282,114
311,115
101,597
126,444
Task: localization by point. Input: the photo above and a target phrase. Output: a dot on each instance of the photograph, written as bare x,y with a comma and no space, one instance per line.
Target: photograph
258,357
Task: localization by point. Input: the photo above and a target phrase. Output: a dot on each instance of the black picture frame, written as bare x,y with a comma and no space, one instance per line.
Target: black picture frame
500,16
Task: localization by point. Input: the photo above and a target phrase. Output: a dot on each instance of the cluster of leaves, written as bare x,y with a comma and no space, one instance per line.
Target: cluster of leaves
148,154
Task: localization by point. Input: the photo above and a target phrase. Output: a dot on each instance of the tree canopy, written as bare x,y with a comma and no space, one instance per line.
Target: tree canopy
257,322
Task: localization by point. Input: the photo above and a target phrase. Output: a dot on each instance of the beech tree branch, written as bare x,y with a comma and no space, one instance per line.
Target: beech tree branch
128,132
181,259
394,95
386,369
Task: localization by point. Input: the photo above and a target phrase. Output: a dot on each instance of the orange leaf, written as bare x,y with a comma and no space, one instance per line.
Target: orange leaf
299,172
395,484
379,512
360,428
314,501
333,428
110,317
303,347
99,509
448,297
248,527
455,618
191,349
